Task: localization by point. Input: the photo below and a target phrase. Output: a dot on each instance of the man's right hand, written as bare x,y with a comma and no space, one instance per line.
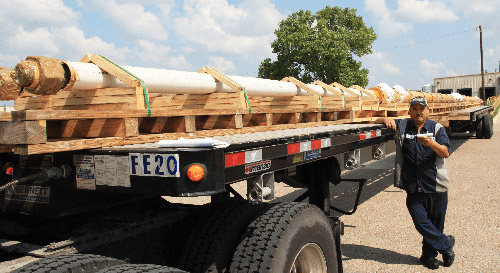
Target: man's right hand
390,123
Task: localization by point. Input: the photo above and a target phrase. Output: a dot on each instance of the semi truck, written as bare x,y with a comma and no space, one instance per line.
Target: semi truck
103,209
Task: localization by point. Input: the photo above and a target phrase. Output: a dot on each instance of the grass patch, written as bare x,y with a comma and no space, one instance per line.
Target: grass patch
497,108
495,101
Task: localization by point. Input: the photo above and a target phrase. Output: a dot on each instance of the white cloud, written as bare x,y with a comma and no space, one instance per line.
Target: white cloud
388,26
481,12
9,60
50,29
223,65
390,68
425,11
477,7
32,14
381,68
159,56
427,65
179,63
379,62
76,45
433,70
131,18
38,42
222,28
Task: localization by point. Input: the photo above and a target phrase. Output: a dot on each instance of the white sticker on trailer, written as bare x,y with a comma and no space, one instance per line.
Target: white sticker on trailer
111,170
166,165
85,172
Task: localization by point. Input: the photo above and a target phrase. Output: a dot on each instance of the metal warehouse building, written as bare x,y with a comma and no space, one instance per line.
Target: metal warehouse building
469,85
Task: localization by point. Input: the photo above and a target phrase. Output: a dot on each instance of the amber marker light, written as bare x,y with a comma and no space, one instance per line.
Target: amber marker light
195,172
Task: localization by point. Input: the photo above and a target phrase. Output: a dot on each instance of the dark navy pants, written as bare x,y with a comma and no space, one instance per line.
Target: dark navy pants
428,211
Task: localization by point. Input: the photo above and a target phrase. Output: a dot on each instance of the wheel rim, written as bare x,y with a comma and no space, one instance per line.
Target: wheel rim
310,259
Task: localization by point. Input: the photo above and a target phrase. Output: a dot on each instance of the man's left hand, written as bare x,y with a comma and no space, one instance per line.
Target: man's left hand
425,140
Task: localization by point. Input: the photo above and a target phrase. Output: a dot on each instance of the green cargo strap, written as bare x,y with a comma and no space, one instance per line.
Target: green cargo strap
146,98
246,98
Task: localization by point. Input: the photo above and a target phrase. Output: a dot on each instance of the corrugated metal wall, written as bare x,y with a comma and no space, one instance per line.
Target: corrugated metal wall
468,81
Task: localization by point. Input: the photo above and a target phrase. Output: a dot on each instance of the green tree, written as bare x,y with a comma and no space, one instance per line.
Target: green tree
323,46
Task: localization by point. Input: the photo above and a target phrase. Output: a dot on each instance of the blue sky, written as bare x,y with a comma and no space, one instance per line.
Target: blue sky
417,40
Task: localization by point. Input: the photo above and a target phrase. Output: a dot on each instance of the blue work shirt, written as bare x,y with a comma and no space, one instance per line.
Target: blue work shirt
422,170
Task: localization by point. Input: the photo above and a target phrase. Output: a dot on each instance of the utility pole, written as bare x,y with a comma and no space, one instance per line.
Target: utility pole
482,70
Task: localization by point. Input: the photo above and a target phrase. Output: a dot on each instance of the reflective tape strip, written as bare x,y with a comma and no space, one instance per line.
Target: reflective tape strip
234,159
370,134
241,158
305,146
316,144
293,148
253,156
326,142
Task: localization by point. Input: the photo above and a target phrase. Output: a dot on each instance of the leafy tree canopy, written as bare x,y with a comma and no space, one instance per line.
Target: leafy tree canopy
323,46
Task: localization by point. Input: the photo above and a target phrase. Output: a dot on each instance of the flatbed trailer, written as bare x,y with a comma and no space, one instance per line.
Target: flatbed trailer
102,209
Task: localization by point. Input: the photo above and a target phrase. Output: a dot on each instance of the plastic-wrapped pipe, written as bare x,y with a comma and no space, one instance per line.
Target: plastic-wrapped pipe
87,76
182,82
403,93
389,92
457,97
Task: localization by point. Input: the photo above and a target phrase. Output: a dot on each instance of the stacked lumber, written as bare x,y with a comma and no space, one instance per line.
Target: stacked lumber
53,115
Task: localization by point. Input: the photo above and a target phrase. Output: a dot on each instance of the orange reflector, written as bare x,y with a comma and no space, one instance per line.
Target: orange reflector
9,171
195,172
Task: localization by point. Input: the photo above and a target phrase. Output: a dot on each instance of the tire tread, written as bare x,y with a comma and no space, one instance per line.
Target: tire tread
255,252
69,263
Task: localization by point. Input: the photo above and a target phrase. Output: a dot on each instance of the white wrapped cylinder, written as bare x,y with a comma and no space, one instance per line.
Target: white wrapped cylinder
403,93
181,82
457,97
389,92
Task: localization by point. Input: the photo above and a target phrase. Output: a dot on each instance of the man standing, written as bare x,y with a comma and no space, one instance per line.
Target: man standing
421,148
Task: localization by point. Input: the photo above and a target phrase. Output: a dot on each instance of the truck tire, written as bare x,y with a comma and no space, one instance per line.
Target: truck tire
289,237
140,268
214,235
70,263
487,126
479,128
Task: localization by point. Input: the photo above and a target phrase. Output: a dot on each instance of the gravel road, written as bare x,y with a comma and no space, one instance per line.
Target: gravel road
380,236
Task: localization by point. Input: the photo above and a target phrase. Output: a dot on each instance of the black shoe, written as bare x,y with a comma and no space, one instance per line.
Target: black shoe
452,240
449,254
429,262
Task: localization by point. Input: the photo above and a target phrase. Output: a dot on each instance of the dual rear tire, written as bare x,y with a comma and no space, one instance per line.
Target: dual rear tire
484,127
232,237
283,237
89,263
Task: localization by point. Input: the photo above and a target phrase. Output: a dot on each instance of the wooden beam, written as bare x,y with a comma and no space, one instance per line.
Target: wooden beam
121,74
306,88
86,114
190,124
219,76
82,144
5,116
93,128
23,132
364,91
